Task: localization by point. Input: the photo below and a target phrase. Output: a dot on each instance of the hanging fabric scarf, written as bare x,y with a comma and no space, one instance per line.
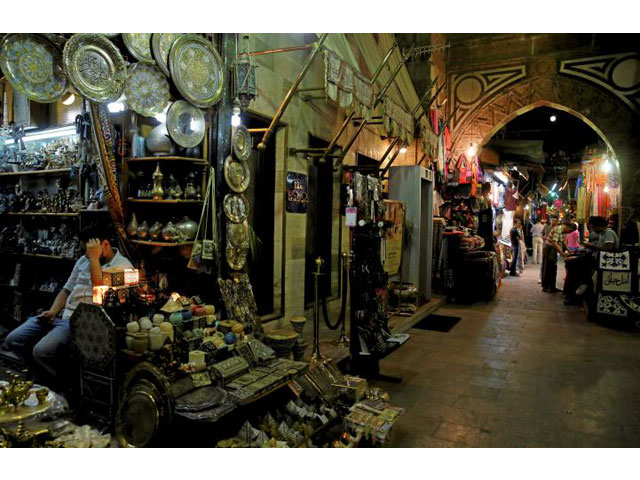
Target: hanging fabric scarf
363,94
339,79
397,121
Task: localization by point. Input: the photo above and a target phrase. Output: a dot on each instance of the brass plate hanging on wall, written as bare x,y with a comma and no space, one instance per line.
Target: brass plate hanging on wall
185,124
196,70
236,174
238,234
242,142
236,257
139,44
33,66
95,67
236,207
161,44
147,89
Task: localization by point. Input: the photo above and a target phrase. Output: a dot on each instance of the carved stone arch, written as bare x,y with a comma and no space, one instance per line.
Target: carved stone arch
607,115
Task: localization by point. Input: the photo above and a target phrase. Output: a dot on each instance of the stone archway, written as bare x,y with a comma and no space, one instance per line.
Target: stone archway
608,116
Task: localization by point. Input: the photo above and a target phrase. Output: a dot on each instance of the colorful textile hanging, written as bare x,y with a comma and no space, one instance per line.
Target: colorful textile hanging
339,79
433,119
397,121
581,204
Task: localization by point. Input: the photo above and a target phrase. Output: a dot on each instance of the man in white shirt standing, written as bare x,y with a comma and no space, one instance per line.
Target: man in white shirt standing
538,242
46,335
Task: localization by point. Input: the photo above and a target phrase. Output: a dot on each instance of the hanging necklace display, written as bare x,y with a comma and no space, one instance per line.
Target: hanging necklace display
206,248
236,174
241,142
33,67
95,67
185,124
161,44
196,70
236,207
147,89
139,44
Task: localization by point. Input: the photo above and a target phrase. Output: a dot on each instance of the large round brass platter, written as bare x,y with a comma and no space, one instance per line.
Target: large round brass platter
139,44
236,174
236,257
196,70
161,44
147,89
185,124
236,207
241,142
33,66
95,67
238,234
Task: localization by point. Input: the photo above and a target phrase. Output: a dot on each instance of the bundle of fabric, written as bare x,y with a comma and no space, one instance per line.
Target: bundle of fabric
348,87
397,121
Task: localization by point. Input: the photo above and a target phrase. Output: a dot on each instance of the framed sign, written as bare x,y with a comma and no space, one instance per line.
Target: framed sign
297,193
615,281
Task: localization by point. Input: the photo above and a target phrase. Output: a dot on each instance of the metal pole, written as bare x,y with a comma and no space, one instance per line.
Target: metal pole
317,357
433,99
417,107
280,50
285,103
393,144
344,340
391,160
424,155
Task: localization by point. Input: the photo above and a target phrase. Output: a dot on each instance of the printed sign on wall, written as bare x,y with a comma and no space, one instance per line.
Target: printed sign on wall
614,261
611,305
297,193
613,281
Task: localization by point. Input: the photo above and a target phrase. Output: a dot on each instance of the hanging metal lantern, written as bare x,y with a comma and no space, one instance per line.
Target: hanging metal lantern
245,76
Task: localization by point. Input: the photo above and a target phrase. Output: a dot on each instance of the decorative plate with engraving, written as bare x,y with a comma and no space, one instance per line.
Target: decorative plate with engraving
95,67
196,70
139,44
236,207
241,142
238,234
161,44
236,257
33,66
185,124
147,89
236,174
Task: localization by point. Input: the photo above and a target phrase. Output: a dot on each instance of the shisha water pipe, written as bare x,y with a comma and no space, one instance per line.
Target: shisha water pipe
317,357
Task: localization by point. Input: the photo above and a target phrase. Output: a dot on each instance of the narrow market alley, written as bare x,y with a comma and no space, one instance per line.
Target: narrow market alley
523,370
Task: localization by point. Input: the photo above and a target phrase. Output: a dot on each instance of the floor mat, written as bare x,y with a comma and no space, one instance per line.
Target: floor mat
437,323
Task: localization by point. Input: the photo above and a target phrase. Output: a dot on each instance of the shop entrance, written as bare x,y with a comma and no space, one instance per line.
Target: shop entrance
319,223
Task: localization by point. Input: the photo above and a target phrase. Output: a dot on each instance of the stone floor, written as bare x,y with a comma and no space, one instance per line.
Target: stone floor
521,371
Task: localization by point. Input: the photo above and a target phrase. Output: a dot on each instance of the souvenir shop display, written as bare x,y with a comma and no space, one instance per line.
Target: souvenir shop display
161,44
147,89
139,45
185,124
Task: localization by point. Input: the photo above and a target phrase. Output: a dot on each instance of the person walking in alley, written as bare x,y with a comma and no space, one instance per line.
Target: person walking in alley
516,236
553,247
537,240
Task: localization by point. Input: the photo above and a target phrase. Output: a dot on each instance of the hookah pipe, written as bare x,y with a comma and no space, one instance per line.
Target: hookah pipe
344,340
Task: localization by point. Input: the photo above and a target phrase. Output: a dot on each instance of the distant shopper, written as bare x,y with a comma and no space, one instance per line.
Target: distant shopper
516,236
607,240
553,247
538,243
572,239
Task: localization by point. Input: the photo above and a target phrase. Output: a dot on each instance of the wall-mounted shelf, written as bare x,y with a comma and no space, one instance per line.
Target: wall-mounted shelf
198,161
165,201
53,171
160,244
40,214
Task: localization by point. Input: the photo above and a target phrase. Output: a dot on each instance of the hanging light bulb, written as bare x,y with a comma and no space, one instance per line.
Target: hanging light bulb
235,116
606,166
115,107
472,150
553,118
606,189
68,98
403,150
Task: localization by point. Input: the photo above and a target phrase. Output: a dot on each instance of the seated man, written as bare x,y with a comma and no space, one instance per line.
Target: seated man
46,336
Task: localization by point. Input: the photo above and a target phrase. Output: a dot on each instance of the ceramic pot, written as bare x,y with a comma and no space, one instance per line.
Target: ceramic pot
198,311
133,327
298,350
167,330
209,310
298,325
145,323
140,342
186,314
176,319
156,340
158,141
128,340
169,232
218,339
188,227
229,338
143,230
132,228
155,231
158,319
210,320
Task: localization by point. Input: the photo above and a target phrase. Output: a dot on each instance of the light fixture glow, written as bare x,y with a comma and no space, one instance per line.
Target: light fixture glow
606,166
501,176
235,117
68,98
49,134
606,189
553,118
554,187
161,117
472,150
403,150
115,107
526,207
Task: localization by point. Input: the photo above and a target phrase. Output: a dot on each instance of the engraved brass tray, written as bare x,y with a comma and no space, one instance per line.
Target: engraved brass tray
33,66
185,124
238,234
236,207
196,70
236,174
161,44
236,257
30,407
95,67
241,142
139,44
147,89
